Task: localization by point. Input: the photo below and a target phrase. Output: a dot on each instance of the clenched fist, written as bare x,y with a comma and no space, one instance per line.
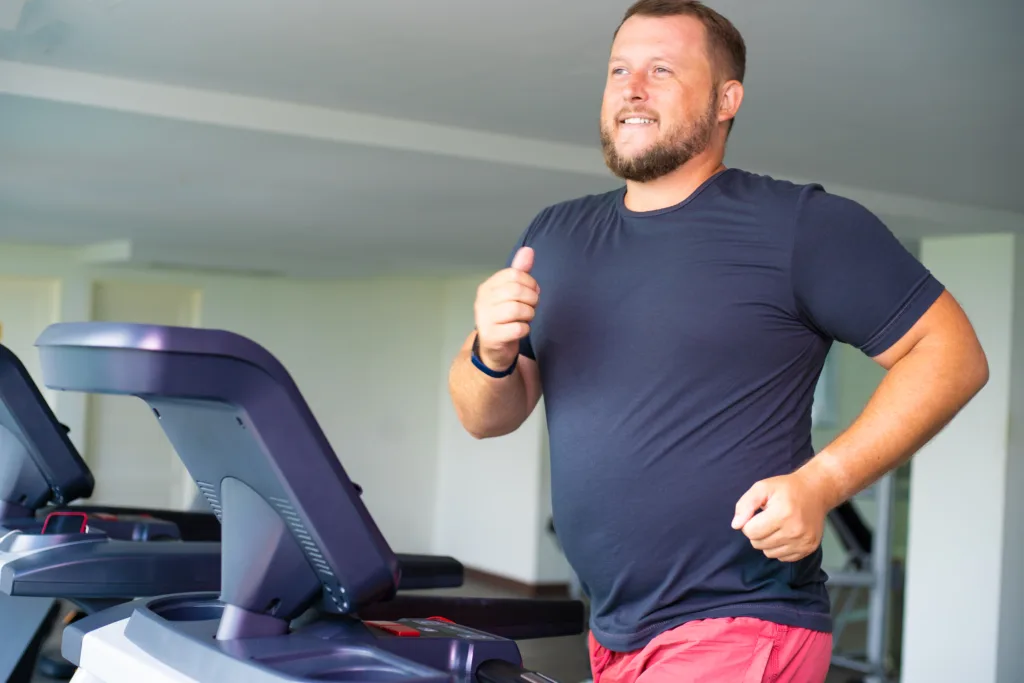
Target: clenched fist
505,304
784,517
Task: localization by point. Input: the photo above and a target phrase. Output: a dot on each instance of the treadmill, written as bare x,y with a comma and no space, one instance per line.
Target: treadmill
42,476
309,585
28,483
41,473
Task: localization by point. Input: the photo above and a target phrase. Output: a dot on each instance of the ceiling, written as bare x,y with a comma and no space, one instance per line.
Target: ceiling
327,137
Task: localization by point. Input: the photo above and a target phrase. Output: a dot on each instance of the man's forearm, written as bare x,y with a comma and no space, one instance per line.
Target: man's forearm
486,406
916,399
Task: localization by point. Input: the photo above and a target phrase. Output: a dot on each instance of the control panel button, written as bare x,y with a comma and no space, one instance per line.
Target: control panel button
394,628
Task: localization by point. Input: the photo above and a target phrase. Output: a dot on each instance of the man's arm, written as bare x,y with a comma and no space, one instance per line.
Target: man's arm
855,283
504,308
488,406
933,371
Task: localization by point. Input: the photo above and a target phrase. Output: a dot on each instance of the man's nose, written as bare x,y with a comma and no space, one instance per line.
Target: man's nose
636,88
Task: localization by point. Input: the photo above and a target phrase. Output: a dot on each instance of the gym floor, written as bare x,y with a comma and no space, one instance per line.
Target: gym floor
563,659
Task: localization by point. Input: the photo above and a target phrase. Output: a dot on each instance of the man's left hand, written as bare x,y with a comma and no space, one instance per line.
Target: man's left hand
791,520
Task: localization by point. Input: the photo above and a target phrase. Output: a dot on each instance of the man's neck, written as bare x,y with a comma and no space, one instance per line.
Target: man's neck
673,188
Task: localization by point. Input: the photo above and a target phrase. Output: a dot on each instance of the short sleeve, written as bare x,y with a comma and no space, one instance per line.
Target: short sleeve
853,280
525,344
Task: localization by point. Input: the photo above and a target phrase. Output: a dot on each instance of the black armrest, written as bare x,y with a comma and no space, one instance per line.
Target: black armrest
512,618
853,534
429,571
418,571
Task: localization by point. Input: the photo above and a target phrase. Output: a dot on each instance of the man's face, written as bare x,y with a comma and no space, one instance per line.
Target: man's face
660,104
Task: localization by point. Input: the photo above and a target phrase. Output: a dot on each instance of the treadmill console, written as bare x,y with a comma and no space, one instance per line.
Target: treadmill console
38,463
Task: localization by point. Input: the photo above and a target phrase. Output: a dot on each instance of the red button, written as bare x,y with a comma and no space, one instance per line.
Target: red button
447,621
400,630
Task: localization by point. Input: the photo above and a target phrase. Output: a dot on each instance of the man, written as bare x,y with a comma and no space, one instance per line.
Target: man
677,328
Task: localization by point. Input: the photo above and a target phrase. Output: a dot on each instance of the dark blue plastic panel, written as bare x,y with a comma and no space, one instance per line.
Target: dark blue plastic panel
242,428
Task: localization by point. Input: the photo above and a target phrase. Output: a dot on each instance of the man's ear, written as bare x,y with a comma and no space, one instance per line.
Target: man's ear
729,100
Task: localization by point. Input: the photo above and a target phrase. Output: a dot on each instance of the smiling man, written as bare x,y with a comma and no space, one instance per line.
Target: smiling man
677,328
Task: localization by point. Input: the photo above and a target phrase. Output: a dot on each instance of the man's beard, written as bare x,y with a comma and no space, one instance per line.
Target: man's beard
678,146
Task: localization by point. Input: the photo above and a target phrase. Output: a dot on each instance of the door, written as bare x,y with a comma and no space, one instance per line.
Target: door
130,456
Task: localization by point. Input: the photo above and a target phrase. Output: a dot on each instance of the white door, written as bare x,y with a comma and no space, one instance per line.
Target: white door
27,307
130,456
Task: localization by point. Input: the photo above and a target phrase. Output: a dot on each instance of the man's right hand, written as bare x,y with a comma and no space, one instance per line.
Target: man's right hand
505,305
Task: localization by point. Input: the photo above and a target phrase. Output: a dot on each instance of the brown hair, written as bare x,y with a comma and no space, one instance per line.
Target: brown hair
726,48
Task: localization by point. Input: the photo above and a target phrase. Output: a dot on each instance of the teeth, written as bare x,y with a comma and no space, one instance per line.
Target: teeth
637,119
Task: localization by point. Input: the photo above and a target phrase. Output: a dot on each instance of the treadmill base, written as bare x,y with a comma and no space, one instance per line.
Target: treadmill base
109,657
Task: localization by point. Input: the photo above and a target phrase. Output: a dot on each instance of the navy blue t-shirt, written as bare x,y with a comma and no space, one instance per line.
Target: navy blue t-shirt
678,351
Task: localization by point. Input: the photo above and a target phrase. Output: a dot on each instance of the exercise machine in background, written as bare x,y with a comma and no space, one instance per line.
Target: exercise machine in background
41,474
861,590
309,584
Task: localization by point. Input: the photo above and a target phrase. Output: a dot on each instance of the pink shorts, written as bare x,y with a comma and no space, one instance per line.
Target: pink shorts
738,650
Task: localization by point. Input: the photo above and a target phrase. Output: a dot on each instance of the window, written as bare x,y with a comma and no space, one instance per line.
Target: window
825,410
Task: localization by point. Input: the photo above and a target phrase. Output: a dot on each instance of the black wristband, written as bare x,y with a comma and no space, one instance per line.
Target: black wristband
497,374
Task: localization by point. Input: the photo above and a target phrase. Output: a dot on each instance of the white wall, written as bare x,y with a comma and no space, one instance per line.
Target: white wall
1010,662
27,304
364,354
963,607
489,509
